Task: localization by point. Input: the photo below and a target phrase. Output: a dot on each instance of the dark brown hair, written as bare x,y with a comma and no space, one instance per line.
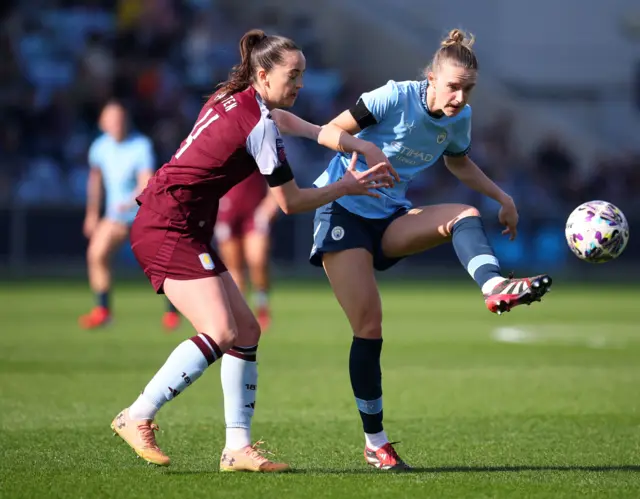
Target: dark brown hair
455,49
257,50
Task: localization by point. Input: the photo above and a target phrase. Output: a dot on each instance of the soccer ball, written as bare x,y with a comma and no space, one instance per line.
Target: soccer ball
597,232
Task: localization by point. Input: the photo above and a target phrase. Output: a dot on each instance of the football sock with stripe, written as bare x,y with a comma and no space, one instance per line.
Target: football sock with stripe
366,382
474,251
239,378
185,365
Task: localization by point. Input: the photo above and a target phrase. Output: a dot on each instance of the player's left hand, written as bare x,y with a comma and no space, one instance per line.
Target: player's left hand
373,155
508,216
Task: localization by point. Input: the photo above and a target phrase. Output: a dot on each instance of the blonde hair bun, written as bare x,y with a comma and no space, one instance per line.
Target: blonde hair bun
458,37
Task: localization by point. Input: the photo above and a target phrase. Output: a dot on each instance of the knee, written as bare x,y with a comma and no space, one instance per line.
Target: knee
257,258
96,254
246,334
225,337
468,211
224,333
251,332
370,327
257,264
464,211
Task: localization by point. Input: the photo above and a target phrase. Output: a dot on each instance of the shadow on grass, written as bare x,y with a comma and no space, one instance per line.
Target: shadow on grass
442,469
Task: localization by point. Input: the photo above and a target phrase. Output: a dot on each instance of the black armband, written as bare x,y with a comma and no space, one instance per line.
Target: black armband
457,154
362,115
280,176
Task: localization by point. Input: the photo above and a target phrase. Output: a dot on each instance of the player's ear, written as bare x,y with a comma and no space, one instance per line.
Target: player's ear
261,75
431,77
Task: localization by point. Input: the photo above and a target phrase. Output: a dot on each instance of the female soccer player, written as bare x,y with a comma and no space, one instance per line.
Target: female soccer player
233,136
413,123
243,236
122,162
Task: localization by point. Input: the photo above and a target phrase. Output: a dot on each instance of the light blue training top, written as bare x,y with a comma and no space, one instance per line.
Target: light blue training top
120,164
409,136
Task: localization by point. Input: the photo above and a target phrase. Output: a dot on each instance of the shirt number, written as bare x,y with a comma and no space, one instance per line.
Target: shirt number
197,130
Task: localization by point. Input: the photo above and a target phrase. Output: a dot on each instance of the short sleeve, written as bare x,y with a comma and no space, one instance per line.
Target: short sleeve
146,157
381,100
95,156
460,143
266,146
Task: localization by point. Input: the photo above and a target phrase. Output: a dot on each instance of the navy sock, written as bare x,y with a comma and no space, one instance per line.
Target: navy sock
366,381
102,299
471,244
170,307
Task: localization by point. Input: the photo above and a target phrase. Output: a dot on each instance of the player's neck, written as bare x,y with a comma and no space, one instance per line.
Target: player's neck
430,101
119,137
262,94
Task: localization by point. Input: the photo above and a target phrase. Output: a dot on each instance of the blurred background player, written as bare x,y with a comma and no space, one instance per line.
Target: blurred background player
121,162
234,136
413,123
245,216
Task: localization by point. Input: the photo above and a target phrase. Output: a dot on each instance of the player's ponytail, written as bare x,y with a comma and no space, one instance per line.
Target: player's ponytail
257,50
241,74
248,42
455,48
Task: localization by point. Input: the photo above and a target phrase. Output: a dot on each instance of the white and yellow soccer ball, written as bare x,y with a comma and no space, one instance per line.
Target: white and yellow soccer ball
597,232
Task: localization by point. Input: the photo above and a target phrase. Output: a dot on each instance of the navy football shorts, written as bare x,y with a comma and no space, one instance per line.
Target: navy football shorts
337,229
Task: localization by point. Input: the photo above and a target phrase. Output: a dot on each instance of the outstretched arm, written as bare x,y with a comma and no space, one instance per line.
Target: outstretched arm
267,148
292,199
337,135
290,124
473,177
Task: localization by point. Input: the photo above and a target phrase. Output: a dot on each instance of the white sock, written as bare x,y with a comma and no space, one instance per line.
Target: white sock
142,408
488,286
261,299
376,440
238,438
185,365
239,378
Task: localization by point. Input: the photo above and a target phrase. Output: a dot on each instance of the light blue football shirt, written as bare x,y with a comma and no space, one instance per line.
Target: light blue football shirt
120,164
411,139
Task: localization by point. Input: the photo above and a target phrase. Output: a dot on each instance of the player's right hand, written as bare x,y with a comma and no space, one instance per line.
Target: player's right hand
363,183
90,224
373,155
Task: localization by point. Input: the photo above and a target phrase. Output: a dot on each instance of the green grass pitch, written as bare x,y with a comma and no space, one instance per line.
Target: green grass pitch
541,402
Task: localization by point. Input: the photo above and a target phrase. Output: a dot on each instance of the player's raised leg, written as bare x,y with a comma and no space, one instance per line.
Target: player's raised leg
428,226
256,245
204,302
239,377
107,237
350,273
